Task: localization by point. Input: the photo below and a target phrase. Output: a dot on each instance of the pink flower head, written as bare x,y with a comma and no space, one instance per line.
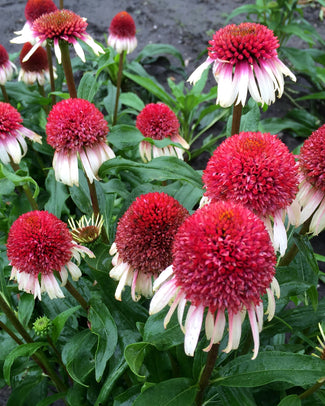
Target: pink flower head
311,195
33,10
6,66
143,242
158,121
36,68
122,33
257,170
39,244
12,135
245,58
61,25
223,260
75,127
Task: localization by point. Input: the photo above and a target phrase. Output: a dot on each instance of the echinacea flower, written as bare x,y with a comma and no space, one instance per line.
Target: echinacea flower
38,245
158,121
33,10
12,135
122,33
6,66
86,230
245,58
311,193
75,127
61,25
143,242
223,262
257,170
36,68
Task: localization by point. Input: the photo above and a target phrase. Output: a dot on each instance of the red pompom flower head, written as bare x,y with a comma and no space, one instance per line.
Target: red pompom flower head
223,262
36,68
12,135
122,33
158,121
39,244
245,58
6,66
76,128
61,25
33,10
311,193
257,170
143,242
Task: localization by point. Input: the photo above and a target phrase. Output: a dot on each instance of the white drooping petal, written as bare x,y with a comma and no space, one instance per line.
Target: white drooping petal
163,276
255,332
280,234
193,325
234,321
318,220
163,296
196,75
241,78
79,50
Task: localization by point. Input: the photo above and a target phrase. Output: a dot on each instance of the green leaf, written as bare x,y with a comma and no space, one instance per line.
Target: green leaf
236,396
108,385
80,195
104,61
24,350
291,400
88,87
134,355
173,392
26,307
124,136
313,96
127,398
151,50
18,180
271,366
131,100
103,325
58,195
51,399
60,320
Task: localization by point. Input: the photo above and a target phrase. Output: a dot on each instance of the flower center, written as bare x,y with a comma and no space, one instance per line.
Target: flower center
36,8
246,42
37,62
157,121
254,169
146,231
223,257
4,57
74,124
59,23
10,120
39,242
123,25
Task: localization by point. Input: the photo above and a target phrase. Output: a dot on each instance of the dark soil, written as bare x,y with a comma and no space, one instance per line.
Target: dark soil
186,24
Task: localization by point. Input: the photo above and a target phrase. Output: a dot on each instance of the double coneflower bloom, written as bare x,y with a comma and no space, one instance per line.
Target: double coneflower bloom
6,66
122,33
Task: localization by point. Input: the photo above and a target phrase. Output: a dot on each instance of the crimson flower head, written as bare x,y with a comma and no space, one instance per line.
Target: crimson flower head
143,242
36,68
61,25
257,170
158,121
12,135
39,244
223,262
245,58
76,128
311,193
6,66
122,33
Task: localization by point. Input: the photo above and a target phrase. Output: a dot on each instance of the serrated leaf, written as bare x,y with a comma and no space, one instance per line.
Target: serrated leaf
103,325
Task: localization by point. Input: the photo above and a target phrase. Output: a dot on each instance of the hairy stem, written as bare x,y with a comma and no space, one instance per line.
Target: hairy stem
5,94
236,116
118,85
52,81
80,299
67,67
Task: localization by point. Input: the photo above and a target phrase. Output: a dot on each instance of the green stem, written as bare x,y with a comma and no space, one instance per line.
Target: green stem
206,374
73,291
10,333
236,116
118,85
61,4
311,390
94,202
67,67
26,189
4,93
52,80
42,93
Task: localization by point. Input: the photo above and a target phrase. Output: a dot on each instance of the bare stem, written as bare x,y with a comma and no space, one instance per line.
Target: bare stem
206,374
311,390
61,4
10,333
80,299
4,93
52,81
236,116
118,85
67,67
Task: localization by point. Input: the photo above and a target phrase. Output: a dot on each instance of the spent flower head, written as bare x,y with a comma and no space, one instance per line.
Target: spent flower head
38,245
122,33
157,121
143,242
7,68
257,170
12,135
245,58
76,128
223,262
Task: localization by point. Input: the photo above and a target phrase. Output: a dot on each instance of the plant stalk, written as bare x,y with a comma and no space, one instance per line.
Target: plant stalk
67,67
311,390
25,188
236,116
5,94
52,80
118,85
206,374
80,299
